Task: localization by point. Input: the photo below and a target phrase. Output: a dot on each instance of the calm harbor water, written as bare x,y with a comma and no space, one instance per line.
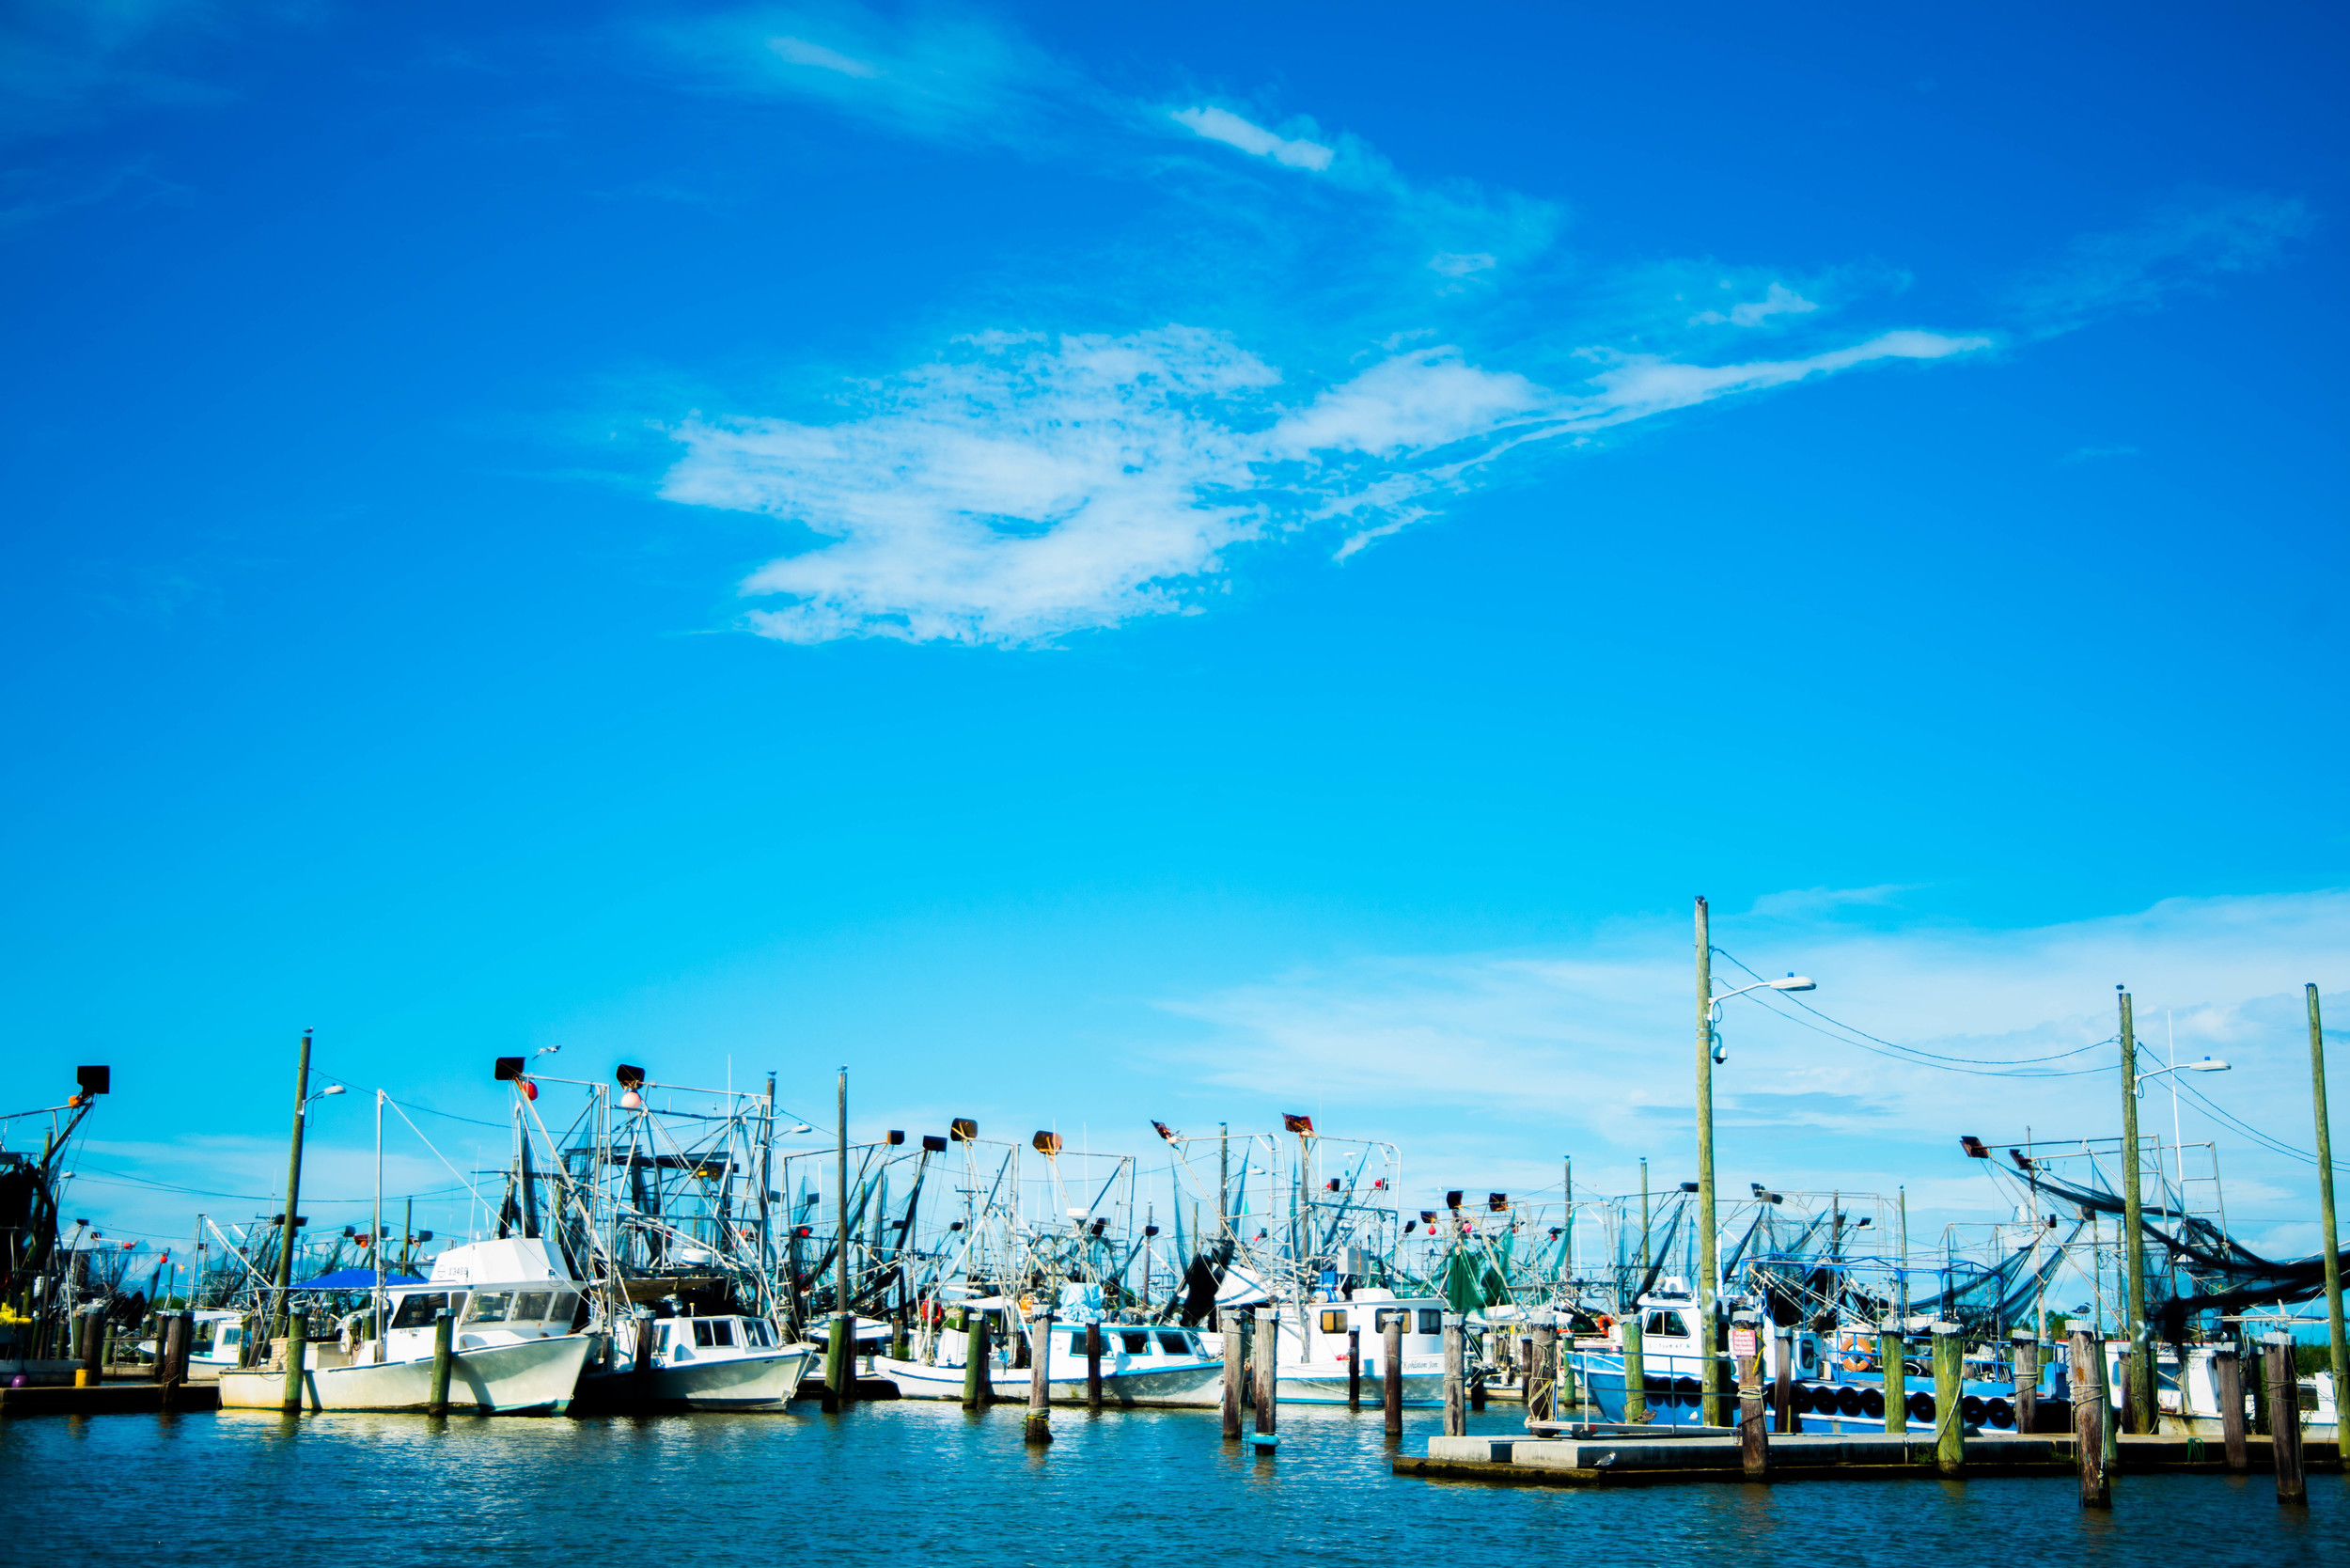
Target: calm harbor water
926,1482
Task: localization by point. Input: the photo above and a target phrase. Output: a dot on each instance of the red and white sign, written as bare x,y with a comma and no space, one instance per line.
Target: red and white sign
1742,1341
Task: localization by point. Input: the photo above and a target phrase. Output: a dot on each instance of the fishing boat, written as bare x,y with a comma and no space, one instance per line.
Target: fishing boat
722,1361
515,1348
1837,1382
1143,1365
1311,1356
2186,1390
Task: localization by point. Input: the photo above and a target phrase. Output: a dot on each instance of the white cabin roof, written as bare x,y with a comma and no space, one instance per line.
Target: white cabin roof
510,1261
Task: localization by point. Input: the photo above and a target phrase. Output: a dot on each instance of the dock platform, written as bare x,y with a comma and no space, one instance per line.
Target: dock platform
1613,1461
108,1399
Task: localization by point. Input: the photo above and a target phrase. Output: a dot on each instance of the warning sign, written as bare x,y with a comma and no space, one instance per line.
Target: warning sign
1742,1341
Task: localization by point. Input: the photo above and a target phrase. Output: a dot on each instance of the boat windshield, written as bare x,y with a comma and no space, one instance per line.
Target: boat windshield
1174,1343
416,1311
491,1306
1138,1343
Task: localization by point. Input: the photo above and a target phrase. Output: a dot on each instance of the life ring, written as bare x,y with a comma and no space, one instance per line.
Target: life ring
1856,1354
1606,1324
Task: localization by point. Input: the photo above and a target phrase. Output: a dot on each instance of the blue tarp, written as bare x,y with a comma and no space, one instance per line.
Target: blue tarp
354,1279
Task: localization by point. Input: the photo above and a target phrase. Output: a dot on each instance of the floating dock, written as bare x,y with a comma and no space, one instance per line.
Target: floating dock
1709,1456
109,1399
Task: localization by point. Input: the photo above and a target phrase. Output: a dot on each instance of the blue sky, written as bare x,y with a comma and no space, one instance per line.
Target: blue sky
1097,566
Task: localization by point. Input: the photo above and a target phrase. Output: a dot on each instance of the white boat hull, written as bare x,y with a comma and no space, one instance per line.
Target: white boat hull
530,1376
1194,1386
762,1380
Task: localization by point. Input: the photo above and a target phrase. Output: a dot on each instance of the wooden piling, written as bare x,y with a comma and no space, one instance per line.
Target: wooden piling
2227,1377
1455,1404
1231,1376
444,1338
900,1341
2130,1413
1391,1372
2025,1353
1268,1370
1093,1368
1636,1411
1894,1371
1754,1442
1355,1368
297,1352
2089,1410
977,1387
2285,1399
1038,1428
1950,1389
1525,1373
92,1349
1783,1383
840,1361
1542,1364
171,1353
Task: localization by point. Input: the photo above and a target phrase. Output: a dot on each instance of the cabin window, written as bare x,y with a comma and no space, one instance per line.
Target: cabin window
754,1333
1077,1341
1432,1320
1136,1344
701,1331
491,1306
2309,1396
1803,1352
1400,1316
564,1307
530,1306
722,1332
1334,1322
415,1311
1665,1325
1175,1344
203,1340
231,1335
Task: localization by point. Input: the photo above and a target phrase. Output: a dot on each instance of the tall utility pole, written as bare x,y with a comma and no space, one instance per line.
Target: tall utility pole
1711,1375
2325,1219
1224,1179
840,1291
293,1186
766,1195
2134,1236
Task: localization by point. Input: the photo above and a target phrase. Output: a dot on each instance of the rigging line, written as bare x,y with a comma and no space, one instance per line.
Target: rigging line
2275,1144
1932,1066
469,1187
1915,1050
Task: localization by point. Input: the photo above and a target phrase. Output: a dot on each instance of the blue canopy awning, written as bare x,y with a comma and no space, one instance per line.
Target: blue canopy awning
354,1279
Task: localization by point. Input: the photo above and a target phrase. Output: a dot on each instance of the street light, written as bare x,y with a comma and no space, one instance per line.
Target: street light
1792,983
1708,1052
2209,1064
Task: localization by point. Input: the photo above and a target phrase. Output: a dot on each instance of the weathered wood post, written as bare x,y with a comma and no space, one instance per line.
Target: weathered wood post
1746,1350
1037,1430
1268,1349
297,1352
1391,1372
2025,1352
1231,1376
979,1389
1636,1412
2090,1412
1093,1368
1526,1373
1541,1373
1784,1382
444,1338
1893,1368
2285,1399
2227,1377
1353,1369
89,1347
900,1341
1455,1405
2130,1413
1950,1389
171,1354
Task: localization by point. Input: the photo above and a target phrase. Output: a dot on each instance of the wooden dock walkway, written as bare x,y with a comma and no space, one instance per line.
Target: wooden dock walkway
1651,1460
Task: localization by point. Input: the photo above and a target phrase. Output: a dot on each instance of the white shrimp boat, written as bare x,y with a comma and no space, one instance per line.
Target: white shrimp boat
1145,1365
1311,1363
726,1362
2188,1396
514,1348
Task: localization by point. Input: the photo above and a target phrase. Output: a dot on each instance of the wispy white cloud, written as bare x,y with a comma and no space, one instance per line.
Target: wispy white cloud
1797,902
1027,487
1590,1044
2184,245
67,61
2091,454
1222,125
1777,300
802,52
